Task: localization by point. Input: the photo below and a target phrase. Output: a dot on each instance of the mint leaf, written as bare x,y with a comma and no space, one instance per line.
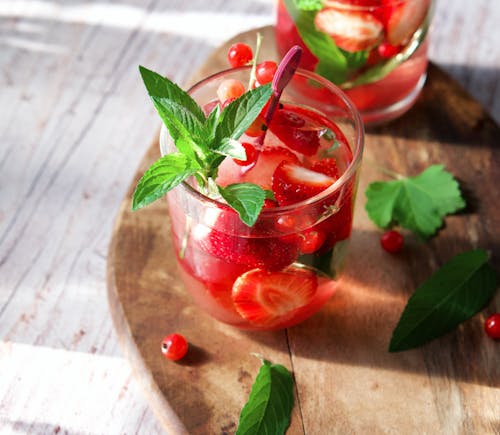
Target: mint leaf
269,407
212,121
309,5
417,203
163,175
453,294
239,115
231,148
246,198
161,87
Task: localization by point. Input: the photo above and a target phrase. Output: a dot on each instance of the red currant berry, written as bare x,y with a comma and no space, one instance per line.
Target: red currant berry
251,153
492,326
239,54
174,347
311,241
386,50
265,71
392,241
230,88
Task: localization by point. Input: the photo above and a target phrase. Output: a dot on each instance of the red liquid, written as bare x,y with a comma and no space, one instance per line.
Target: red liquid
223,262
382,100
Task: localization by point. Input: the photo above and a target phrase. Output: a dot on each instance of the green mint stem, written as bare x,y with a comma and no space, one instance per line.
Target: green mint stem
253,76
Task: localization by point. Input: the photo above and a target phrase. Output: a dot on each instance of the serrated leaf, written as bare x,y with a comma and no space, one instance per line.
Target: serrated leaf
161,87
187,131
452,295
417,203
231,148
269,407
162,176
212,121
246,198
239,115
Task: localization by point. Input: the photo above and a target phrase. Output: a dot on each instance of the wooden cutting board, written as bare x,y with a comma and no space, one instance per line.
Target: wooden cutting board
346,381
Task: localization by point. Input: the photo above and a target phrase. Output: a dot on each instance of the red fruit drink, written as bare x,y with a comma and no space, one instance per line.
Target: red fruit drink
282,269
375,50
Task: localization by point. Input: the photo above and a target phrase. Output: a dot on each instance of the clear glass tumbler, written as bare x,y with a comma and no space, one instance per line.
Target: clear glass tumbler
375,50
282,269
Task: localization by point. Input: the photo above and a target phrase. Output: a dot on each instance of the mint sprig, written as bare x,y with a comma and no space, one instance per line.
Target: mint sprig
453,294
202,144
269,407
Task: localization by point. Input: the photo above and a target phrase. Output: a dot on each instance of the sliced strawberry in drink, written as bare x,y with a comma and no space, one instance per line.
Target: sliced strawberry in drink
293,183
326,166
269,158
403,19
270,298
351,30
292,130
221,241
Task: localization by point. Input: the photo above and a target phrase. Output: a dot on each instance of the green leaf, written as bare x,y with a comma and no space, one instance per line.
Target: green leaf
212,121
269,407
162,176
239,115
161,87
187,132
452,295
309,5
417,203
246,198
231,148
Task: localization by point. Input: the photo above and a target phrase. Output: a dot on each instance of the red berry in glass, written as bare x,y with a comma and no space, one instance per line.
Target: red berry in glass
492,326
392,241
265,72
174,347
239,54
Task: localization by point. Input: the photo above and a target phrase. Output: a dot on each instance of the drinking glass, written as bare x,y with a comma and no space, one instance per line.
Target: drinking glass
375,50
222,260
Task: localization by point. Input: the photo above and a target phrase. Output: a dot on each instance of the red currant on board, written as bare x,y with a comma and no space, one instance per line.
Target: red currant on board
265,71
392,241
174,347
239,54
492,326
251,153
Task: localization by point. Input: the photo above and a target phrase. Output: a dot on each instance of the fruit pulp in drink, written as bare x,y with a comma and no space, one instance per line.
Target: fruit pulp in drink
284,268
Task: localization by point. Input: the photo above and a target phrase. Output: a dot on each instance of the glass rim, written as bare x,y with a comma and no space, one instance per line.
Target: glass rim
341,181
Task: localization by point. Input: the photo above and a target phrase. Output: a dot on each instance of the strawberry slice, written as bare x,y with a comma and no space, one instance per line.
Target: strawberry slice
270,253
404,19
267,161
326,166
292,130
270,298
293,183
351,31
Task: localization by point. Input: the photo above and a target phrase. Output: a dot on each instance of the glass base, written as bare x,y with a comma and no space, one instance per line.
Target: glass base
386,114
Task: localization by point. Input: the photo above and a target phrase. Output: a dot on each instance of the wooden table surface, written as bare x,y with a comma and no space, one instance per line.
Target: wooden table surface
75,122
